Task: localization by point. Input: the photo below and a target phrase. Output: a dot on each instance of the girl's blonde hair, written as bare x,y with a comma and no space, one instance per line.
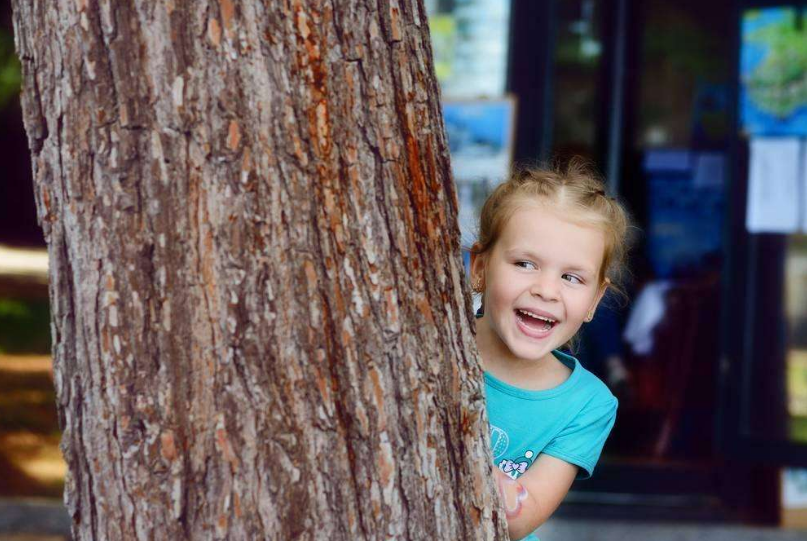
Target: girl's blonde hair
575,190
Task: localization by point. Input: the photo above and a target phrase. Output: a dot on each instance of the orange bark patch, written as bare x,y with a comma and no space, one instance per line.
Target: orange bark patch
323,128
395,19
105,341
425,308
419,186
237,506
468,421
214,32
347,338
352,153
322,385
378,395
340,302
302,24
378,391
385,467
46,200
246,163
168,448
310,274
234,135
226,449
227,12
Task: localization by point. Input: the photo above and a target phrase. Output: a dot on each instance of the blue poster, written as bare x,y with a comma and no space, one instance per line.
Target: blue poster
685,210
773,71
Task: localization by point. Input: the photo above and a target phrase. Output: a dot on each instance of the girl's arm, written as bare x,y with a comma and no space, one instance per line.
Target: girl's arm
531,500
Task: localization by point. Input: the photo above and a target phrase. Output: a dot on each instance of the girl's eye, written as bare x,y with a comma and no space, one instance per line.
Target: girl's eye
526,265
572,278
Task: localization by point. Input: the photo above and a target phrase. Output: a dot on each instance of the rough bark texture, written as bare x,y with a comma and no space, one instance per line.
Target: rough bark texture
260,324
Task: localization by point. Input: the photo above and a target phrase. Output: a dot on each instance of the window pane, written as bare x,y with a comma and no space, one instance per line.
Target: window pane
578,52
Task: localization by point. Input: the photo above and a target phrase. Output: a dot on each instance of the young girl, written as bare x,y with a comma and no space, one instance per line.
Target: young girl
550,244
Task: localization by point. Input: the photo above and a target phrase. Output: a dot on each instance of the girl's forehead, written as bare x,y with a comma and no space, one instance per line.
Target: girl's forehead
548,218
540,227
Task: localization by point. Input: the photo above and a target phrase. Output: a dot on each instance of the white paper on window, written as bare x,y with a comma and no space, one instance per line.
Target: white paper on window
773,185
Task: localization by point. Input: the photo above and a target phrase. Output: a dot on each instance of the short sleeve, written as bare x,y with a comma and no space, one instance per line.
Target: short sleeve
581,441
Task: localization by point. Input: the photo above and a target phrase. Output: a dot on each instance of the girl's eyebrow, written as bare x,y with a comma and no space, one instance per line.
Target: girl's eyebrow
582,270
523,252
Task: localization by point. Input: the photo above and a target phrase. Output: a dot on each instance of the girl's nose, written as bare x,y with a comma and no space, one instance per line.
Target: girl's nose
544,286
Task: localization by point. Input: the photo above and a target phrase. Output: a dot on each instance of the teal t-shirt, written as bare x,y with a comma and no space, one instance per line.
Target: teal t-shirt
570,422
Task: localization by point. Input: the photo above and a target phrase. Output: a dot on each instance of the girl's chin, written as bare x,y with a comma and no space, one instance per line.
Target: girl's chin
531,352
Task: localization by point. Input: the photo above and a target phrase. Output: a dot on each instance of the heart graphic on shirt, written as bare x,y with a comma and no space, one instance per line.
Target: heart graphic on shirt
499,441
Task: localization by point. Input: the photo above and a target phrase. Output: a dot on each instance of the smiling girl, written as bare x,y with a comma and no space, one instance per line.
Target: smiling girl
550,244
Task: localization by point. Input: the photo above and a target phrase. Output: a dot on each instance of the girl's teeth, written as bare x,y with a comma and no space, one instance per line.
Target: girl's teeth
547,320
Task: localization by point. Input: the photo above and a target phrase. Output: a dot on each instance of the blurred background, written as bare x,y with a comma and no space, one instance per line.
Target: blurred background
696,113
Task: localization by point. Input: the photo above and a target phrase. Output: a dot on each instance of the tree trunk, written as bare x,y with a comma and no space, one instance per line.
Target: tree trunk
261,327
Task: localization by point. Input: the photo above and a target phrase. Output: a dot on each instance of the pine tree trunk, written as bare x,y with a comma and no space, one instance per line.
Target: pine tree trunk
261,327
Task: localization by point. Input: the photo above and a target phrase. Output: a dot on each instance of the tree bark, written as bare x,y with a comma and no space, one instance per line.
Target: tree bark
260,323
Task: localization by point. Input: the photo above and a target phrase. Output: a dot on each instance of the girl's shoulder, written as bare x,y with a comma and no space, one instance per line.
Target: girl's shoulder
580,390
588,388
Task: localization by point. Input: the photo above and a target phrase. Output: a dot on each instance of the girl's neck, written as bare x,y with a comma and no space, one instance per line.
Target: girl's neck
534,374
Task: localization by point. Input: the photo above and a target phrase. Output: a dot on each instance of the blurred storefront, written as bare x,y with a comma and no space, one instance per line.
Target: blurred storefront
696,113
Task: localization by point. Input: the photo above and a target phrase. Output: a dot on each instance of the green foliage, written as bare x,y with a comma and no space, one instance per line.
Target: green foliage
24,326
10,73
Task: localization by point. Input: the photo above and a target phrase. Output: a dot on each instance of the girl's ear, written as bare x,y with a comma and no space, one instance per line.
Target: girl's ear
600,294
477,267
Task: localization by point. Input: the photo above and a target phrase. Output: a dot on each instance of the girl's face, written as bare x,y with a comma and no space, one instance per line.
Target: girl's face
541,281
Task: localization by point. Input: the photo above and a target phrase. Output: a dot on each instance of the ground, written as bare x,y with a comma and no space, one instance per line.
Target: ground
30,462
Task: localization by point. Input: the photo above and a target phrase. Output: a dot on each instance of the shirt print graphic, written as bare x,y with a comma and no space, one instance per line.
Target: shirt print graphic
500,443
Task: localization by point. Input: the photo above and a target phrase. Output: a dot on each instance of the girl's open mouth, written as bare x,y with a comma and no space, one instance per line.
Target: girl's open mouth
533,325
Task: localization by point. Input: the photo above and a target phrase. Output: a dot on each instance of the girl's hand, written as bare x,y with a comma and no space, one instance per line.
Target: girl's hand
531,499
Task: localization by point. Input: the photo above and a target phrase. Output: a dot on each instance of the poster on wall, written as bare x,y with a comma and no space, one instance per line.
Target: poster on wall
773,72
470,39
480,138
